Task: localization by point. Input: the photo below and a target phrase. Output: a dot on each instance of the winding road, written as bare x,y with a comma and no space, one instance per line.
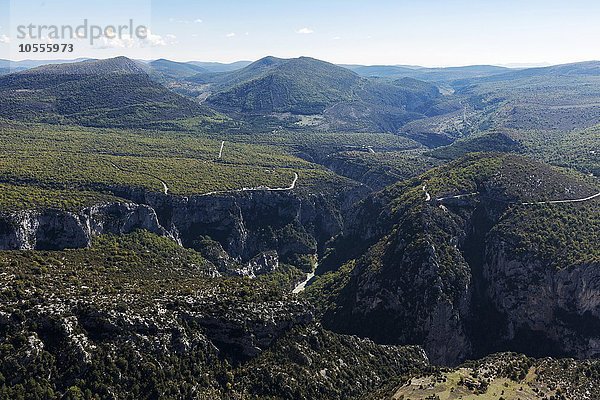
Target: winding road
581,200
165,186
427,195
458,196
257,189
291,187
253,189
564,201
221,151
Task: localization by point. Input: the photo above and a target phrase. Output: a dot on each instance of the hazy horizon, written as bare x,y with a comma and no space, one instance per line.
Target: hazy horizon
426,33
78,59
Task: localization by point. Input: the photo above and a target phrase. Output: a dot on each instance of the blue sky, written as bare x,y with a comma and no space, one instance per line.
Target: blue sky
423,32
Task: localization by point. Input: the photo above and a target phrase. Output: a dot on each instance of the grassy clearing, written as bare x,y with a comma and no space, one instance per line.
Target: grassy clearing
466,384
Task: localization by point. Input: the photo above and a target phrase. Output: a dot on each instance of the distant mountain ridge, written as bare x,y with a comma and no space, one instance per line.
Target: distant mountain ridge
365,99
429,74
175,70
220,67
307,86
112,92
303,85
117,65
585,68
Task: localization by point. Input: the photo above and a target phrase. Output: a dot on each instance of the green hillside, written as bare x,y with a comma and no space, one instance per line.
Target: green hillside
71,163
174,70
116,92
341,99
301,86
423,243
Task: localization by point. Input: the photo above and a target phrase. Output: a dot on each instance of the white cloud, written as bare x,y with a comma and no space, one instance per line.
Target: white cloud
230,34
128,42
185,21
305,31
4,39
153,40
336,38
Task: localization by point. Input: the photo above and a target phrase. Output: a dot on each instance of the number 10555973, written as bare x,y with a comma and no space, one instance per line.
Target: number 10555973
45,48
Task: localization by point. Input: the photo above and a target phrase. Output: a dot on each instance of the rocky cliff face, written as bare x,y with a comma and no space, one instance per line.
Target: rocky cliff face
444,279
251,223
138,316
471,275
559,309
412,286
376,177
56,230
246,225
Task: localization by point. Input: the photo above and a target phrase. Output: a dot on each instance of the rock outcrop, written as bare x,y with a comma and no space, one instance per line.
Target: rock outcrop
557,308
245,225
57,230
261,264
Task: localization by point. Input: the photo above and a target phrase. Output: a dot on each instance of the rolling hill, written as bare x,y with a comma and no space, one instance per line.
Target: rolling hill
220,67
585,68
561,97
116,92
536,105
175,70
308,87
9,66
301,86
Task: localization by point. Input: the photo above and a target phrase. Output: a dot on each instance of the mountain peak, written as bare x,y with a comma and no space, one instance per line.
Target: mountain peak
117,65
268,60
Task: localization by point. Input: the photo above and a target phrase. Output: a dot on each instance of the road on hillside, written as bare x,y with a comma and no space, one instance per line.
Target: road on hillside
221,151
458,196
252,189
164,184
592,197
427,195
580,200
257,189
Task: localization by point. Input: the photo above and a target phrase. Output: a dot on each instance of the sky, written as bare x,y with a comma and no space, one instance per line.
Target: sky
375,32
